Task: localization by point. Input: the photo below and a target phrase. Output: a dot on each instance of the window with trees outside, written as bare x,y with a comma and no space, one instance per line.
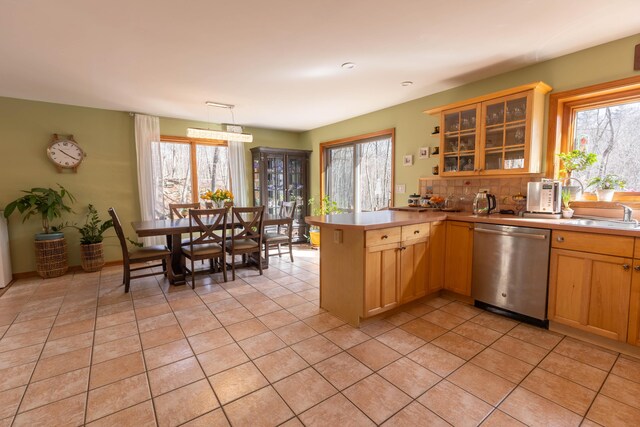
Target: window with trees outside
184,168
357,172
602,119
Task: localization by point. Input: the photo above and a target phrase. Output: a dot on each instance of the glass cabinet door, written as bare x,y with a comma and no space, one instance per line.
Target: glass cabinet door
459,141
295,185
275,184
505,122
256,181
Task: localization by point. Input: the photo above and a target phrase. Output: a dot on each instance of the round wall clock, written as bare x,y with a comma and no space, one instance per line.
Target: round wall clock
65,153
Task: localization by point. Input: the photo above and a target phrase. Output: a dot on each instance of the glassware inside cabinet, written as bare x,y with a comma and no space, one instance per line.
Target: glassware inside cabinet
515,135
494,138
495,114
493,160
516,109
451,144
451,163
452,122
467,163
468,143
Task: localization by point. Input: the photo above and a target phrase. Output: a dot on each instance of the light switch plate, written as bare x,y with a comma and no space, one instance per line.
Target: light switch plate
401,188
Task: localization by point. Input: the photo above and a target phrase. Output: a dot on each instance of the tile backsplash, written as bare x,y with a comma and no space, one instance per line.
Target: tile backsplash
466,189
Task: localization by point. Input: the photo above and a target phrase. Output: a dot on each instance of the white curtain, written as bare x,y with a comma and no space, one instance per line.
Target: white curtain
238,169
147,130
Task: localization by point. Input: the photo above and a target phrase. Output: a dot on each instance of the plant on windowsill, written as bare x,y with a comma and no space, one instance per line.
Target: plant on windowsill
567,212
326,207
51,246
91,237
575,161
606,186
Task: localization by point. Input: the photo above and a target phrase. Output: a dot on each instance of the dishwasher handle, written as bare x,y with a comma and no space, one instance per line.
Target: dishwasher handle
511,234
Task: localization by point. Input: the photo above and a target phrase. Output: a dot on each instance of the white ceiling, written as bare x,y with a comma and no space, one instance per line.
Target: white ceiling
279,61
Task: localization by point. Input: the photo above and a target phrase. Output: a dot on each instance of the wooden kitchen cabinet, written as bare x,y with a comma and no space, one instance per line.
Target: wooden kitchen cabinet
633,335
382,278
458,257
437,237
495,134
414,262
590,285
396,267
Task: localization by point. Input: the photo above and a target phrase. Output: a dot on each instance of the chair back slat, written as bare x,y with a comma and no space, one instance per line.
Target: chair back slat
288,209
249,221
118,228
207,222
176,209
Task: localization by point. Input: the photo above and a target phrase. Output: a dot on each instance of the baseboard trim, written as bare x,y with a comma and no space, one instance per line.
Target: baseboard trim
72,269
617,346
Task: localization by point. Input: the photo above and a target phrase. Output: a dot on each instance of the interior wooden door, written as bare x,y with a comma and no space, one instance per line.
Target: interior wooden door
382,276
458,257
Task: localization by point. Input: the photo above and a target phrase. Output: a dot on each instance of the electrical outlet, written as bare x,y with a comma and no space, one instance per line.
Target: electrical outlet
401,188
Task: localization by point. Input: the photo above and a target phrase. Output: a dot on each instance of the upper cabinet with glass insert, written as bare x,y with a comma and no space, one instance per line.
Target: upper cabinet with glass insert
495,134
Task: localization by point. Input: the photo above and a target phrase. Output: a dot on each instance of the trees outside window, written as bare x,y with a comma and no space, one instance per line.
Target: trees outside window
358,172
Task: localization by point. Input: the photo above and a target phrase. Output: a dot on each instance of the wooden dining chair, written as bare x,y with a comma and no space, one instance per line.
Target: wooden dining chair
207,233
283,233
179,211
140,255
247,228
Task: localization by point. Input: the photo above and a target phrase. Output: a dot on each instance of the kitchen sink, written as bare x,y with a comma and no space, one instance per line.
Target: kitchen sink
604,223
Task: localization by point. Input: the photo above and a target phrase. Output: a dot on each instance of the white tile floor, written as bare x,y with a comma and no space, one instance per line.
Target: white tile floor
258,351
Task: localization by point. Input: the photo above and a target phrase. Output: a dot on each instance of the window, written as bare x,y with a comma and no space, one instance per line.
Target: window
187,168
357,172
602,119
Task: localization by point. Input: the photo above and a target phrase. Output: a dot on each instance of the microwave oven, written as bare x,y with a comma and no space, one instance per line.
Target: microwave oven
544,196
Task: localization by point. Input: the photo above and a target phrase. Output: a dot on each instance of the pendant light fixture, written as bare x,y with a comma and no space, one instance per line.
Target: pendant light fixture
232,132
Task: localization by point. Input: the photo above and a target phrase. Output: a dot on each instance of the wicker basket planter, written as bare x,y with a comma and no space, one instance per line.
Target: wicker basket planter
92,257
51,257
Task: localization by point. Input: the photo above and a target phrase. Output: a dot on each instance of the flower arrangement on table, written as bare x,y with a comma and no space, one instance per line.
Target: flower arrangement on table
218,197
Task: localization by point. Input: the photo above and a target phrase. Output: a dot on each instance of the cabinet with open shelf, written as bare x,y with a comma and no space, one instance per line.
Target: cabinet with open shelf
495,134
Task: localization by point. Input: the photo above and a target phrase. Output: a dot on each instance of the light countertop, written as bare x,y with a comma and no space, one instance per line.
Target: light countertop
384,219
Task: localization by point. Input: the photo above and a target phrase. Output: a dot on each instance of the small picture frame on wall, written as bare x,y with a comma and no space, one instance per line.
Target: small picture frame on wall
423,152
408,160
434,151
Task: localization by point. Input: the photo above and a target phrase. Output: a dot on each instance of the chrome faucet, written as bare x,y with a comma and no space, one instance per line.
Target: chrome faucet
628,213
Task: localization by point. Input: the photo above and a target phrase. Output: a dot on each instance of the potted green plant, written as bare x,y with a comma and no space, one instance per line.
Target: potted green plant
575,161
605,186
567,212
326,207
51,246
91,237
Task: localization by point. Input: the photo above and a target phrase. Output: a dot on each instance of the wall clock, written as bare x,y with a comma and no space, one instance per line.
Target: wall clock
65,153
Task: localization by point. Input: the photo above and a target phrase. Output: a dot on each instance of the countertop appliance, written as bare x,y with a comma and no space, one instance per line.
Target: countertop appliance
544,197
510,270
5,260
484,203
414,200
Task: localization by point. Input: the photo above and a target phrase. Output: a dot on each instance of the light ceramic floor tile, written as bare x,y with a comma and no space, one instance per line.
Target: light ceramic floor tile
221,359
315,349
481,383
117,396
423,329
455,405
627,367
436,359
304,389
55,388
532,409
622,390
401,341
141,414
573,370
609,412
374,354
409,376
377,398
174,375
261,408
184,404
415,415
342,370
335,411
69,411
237,382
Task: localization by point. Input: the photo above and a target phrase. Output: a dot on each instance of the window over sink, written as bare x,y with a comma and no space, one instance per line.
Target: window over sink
603,119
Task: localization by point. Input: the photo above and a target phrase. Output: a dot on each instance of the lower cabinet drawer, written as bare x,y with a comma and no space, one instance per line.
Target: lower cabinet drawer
382,236
594,243
414,232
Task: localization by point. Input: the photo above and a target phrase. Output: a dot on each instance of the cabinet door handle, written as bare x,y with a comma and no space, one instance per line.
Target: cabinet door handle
384,237
625,266
560,239
416,232
637,268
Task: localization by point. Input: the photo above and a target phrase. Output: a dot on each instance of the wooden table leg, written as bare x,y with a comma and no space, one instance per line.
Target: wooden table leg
177,260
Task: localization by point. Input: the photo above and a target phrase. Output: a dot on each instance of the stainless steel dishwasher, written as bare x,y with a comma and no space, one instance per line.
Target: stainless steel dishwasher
510,269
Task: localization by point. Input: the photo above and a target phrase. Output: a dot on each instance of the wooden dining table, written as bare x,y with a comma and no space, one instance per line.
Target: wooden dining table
175,228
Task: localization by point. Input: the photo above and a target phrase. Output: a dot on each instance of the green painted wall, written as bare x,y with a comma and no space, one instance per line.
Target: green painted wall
107,177
602,63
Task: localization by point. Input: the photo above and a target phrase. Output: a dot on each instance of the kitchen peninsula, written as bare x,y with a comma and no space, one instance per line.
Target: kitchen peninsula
371,262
